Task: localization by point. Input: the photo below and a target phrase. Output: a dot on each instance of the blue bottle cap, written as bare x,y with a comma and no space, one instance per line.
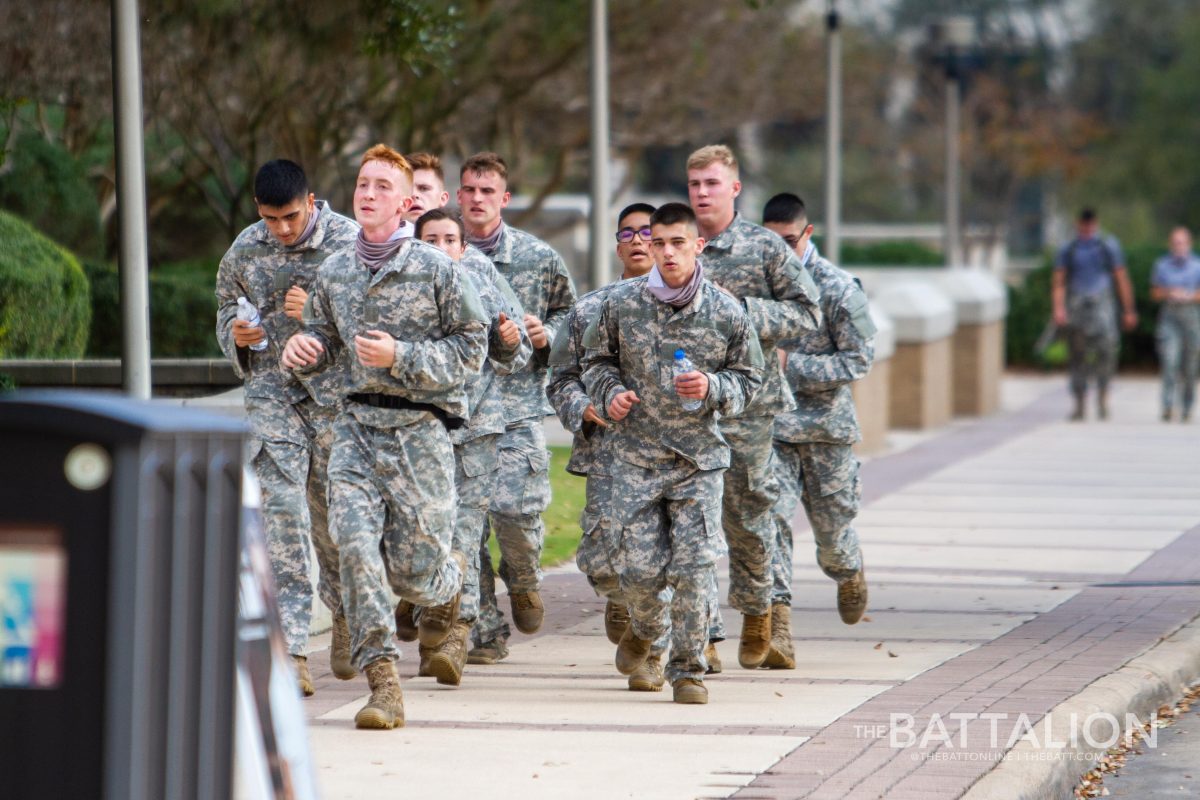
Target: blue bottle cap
679,355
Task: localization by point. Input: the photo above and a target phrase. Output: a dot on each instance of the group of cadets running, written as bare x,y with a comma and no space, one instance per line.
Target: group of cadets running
396,380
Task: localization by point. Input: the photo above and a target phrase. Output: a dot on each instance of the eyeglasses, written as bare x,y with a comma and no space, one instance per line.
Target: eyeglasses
793,240
625,235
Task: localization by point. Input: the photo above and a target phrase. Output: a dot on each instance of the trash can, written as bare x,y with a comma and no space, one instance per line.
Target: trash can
119,563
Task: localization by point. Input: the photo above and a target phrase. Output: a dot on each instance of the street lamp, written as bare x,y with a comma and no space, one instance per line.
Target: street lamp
833,138
952,38
598,255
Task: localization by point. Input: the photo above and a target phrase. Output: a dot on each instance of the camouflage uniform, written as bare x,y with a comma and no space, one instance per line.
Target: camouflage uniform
781,301
668,464
814,460
391,470
540,280
291,423
1093,336
1178,331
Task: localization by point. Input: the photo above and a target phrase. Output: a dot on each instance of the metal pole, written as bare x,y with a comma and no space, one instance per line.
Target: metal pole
599,259
833,140
131,199
953,233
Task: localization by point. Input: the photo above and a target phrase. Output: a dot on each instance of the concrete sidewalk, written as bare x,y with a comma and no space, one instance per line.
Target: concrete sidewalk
1013,561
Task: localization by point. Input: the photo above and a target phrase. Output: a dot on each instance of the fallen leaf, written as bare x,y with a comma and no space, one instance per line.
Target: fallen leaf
867,618
777,694
892,655
876,647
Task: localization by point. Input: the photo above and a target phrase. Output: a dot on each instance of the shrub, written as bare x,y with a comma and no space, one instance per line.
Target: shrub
45,306
183,310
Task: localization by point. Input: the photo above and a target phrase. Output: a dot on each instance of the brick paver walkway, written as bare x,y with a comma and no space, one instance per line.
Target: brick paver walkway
1012,561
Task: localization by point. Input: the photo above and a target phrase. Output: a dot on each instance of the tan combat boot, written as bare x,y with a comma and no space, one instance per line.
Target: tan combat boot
616,618
649,676
406,623
488,653
527,611
1102,403
782,654
436,621
446,661
339,650
756,640
385,709
631,652
852,598
713,658
303,677
689,691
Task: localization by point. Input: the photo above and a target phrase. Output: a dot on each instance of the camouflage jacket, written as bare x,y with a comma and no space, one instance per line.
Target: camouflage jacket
778,295
420,298
485,405
566,390
822,364
541,282
262,270
631,345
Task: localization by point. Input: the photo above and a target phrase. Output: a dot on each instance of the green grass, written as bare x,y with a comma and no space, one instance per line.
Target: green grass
562,517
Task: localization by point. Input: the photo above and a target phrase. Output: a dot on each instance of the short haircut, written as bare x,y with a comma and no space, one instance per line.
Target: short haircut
437,215
427,161
381,152
784,207
634,208
1087,215
486,161
713,154
673,214
279,182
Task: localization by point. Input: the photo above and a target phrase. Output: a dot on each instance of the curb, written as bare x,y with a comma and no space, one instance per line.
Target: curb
1146,682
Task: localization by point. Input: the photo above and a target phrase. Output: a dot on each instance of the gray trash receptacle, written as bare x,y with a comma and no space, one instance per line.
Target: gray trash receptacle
119,526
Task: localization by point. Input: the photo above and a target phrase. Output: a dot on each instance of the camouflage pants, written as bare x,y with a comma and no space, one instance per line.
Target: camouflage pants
749,495
1093,341
666,541
521,494
391,512
1178,339
824,477
289,448
475,477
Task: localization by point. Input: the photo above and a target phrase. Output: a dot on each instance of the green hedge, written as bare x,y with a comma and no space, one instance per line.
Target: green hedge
183,310
45,307
1029,311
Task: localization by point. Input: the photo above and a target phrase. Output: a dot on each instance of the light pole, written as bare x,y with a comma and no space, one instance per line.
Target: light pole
598,256
954,35
833,138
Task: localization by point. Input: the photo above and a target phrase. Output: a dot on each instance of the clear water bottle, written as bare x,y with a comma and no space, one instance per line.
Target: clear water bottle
683,364
248,313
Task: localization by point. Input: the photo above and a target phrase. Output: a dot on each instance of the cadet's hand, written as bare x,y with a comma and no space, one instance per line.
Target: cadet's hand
510,332
300,351
1129,319
622,404
782,357
244,335
590,415
1060,317
537,334
378,351
293,302
692,385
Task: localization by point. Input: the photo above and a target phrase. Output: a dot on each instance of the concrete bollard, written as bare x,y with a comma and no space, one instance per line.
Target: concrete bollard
872,394
922,366
980,306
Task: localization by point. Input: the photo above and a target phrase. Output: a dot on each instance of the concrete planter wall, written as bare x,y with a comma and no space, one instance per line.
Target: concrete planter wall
980,304
922,366
872,394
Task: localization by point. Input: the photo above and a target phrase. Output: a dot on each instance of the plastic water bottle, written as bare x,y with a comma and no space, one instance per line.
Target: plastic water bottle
248,313
683,364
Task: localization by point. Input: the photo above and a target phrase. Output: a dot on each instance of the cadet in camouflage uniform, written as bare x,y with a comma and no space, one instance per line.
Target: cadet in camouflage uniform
779,297
272,263
589,457
404,332
1175,283
814,458
1085,272
475,445
667,473
542,284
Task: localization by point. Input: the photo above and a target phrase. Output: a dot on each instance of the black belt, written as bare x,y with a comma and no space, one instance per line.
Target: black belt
391,401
